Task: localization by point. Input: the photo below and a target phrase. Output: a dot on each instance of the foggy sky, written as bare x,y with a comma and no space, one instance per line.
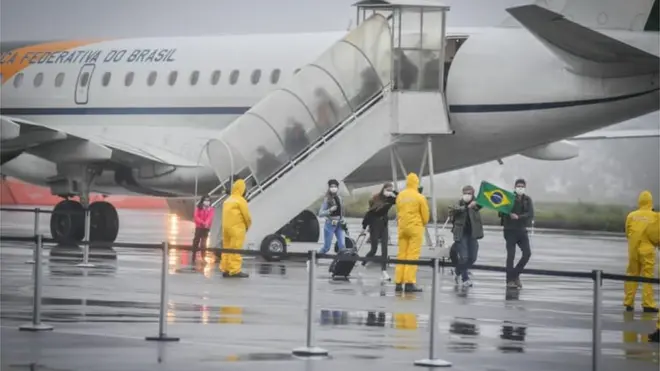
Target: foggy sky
608,171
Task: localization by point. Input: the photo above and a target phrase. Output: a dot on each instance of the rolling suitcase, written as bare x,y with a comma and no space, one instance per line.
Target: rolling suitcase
342,265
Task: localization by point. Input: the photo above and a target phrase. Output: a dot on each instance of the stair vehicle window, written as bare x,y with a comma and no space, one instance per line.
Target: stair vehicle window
106,78
194,77
172,79
151,80
215,77
128,80
38,79
275,76
18,80
233,78
256,76
84,79
59,79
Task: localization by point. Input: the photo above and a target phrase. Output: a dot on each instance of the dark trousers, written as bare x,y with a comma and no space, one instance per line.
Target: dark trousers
378,231
201,234
515,237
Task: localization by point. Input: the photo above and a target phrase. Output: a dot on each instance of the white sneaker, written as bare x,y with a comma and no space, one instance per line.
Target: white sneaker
385,277
467,283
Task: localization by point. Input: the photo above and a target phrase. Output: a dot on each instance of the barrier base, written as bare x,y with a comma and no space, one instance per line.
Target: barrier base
309,352
161,338
35,327
85,265
432,363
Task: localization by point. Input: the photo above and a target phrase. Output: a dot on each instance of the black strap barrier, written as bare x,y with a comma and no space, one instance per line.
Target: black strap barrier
421,262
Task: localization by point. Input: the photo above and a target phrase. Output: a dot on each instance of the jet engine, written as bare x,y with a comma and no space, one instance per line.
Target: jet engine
557,151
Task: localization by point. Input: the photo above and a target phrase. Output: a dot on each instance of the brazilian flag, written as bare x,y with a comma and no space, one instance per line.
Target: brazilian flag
496,198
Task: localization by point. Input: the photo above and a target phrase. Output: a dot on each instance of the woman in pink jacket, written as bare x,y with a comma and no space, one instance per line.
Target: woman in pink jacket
203,219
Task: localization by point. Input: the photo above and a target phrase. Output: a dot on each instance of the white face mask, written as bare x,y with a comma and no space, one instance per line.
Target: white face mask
333,189
467,197
520,190
388,193
207,203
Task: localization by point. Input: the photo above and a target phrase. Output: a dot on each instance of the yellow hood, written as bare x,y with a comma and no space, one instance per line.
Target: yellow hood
645,200
412,181
238,188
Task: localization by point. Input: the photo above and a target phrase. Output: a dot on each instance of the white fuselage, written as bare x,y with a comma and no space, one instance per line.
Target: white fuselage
506,93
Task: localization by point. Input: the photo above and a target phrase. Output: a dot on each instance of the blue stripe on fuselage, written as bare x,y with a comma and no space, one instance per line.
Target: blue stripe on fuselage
456,108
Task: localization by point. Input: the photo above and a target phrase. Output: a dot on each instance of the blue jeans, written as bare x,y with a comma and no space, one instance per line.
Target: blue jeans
330,230
467,249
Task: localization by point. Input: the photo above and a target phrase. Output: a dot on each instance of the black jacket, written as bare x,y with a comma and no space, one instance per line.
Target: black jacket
459,215
378,209
524,208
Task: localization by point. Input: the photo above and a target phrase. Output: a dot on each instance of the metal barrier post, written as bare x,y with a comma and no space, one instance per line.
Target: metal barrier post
432,361
310,350
36,324
596,326
162,315
37,211
85,263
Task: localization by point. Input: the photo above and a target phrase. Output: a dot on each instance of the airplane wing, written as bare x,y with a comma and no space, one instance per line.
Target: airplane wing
585,51
71,145
617,134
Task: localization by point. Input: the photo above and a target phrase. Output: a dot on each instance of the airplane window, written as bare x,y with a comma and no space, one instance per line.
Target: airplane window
194,77
106,78
256,76
233,78
151,80
172,78
38,79
59,79
128,80
84,79
18,80
215,77
275,76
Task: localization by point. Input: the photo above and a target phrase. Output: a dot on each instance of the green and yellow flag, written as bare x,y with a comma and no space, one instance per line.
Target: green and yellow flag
496,198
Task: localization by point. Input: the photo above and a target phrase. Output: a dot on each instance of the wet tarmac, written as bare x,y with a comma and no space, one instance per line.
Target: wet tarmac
101,315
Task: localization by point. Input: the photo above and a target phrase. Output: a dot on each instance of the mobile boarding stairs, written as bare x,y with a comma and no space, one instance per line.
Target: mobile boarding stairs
379,86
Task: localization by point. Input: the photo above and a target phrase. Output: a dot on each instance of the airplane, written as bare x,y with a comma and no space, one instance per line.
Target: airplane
135,116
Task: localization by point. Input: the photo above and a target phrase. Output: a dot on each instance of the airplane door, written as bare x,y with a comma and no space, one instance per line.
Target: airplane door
83,82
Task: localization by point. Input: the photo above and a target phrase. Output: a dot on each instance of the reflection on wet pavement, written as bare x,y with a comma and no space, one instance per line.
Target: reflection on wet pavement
257,321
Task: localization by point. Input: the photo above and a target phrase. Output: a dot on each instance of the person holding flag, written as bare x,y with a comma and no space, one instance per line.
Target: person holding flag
516,212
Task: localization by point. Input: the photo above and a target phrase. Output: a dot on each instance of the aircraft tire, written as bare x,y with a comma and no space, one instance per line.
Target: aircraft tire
67,222
272,246
104,224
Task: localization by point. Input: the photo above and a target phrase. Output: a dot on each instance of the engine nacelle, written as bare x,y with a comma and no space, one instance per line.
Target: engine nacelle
557,151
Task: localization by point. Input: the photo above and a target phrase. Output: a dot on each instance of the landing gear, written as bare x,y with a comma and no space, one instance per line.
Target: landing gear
104,223
303,228
67,223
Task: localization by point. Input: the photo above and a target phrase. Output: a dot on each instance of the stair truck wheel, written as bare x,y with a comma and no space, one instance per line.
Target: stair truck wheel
272,247
67,222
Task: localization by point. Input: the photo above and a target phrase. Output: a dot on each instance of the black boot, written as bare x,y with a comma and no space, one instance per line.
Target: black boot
630,308
398,288
240,275
650,310
410,287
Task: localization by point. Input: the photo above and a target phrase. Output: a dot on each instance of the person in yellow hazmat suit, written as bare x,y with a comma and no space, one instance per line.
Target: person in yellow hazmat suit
653,236
412,214
641,254
236,220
